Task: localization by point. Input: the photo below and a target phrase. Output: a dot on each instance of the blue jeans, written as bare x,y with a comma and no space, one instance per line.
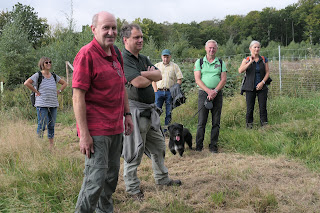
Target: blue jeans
203,118
46,117
162,96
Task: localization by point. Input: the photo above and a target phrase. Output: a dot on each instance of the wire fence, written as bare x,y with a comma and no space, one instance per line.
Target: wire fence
295,72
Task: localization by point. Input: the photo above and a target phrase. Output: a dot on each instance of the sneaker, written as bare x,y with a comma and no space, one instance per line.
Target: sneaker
172,183
139,196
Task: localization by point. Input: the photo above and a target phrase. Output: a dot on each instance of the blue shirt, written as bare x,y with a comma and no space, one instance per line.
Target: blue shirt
257,71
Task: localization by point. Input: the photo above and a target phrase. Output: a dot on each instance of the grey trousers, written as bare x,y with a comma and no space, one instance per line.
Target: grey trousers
100,175
153,142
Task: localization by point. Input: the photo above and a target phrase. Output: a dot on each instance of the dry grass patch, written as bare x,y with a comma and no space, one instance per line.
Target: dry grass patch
228,182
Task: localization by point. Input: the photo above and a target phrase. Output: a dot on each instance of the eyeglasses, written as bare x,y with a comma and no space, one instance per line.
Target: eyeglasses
47,62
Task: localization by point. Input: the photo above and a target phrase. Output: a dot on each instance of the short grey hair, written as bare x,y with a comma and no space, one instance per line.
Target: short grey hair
126,30
253,43
211,41
95,19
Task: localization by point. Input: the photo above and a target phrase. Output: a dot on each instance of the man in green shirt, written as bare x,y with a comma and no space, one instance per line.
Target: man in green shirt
146,137
211,76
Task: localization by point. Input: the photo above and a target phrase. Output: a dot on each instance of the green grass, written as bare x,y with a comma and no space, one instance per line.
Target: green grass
293,128
33,179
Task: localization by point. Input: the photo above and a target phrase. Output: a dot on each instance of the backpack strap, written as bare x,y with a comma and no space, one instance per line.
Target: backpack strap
54,76
39,79
118,55
220,63
201,62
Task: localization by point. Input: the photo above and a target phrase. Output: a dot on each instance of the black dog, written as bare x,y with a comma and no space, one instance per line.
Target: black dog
178,136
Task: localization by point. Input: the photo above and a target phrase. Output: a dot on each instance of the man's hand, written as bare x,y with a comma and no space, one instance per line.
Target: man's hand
152,68
86,145
128,124
211,94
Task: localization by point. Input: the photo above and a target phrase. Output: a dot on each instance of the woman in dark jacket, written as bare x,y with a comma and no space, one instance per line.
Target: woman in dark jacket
256,70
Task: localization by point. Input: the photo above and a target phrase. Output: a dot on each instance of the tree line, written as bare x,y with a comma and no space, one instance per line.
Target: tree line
25,37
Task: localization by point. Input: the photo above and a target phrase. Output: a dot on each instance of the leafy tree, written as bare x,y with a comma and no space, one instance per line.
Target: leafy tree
17,55
4,17
30,22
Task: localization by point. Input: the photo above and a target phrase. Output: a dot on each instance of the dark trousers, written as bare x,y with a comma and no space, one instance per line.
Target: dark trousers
203,117
262,100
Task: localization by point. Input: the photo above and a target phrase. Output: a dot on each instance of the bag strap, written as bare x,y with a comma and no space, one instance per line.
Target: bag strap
118,55
54,76
39,79
201,62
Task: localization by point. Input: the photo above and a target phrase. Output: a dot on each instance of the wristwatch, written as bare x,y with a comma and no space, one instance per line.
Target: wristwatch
127,113
60,90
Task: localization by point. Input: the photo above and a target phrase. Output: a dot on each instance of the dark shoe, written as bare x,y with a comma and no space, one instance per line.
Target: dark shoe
198,149
249,125
139,196
264,124
172,183
213,149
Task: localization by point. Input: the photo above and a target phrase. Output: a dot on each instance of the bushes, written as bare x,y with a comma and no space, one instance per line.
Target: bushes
18,102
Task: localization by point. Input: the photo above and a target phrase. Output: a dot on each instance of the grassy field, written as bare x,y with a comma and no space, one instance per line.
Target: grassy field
271,169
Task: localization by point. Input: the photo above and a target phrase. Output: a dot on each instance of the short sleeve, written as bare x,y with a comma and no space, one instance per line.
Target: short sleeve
197,66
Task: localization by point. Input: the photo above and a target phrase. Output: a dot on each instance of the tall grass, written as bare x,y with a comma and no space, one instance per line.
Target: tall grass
34,178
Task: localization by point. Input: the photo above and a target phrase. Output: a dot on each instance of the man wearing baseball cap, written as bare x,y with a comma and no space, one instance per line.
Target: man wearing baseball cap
171,74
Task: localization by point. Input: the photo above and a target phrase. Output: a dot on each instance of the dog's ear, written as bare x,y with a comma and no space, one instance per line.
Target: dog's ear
180,126
170,127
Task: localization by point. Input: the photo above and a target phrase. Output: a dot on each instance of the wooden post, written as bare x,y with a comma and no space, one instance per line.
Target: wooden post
67,72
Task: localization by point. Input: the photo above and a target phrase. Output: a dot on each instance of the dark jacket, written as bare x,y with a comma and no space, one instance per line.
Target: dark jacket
177,95
249,78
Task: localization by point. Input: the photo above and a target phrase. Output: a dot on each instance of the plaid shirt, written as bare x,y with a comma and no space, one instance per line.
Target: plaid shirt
170,74
102,77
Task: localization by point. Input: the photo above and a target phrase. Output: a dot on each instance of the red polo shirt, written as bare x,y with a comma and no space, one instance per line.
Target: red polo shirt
102,77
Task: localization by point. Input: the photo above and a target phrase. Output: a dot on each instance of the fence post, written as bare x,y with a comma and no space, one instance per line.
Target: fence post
67,72
1,90
280,68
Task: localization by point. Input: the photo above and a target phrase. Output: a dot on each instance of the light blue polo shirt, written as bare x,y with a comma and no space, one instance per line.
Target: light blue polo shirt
210,72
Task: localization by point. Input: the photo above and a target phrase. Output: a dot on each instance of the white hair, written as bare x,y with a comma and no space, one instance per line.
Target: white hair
253,43
211,41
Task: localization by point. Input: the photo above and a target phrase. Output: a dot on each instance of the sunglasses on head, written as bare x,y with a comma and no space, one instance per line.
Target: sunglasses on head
47,62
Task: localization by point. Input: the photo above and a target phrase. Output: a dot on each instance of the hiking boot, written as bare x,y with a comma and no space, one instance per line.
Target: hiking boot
172,183
138,197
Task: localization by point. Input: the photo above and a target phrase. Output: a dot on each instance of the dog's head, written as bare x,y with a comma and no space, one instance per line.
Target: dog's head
176,131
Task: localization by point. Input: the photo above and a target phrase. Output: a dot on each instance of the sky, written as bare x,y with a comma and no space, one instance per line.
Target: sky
180,11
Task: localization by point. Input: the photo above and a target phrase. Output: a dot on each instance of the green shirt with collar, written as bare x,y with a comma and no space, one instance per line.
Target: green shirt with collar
210,72
132,68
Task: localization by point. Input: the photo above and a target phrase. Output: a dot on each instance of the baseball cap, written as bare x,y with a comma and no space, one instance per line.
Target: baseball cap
166,52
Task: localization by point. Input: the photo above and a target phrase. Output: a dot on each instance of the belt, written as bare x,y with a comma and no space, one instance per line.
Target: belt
163,89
